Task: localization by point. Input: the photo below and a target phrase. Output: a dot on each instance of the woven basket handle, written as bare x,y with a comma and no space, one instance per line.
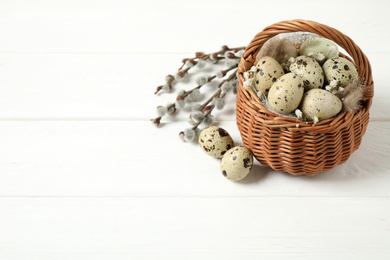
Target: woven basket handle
358,57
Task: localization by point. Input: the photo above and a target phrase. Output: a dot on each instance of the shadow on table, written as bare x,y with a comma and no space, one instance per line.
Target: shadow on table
258,173
371,159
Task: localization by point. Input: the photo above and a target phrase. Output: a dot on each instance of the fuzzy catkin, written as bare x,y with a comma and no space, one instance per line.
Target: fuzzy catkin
166,88
197,116
171,109
231,62
201,80
208,120
179,103
194,95
226,87
189,135
201,64
196,107
161,111
219,103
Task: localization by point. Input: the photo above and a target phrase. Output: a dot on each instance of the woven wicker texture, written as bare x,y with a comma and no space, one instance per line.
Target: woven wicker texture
310,148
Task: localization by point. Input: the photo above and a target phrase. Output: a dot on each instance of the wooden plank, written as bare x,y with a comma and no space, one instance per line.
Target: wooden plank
155,26
194,228
129,158
88,86
109,86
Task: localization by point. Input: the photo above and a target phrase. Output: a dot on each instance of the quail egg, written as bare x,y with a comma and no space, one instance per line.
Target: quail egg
310,71
286,93
319,48
215,141
320,103
341,70
268,70
236,163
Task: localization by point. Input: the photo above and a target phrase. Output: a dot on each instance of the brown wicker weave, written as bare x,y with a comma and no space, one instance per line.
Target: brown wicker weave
310,148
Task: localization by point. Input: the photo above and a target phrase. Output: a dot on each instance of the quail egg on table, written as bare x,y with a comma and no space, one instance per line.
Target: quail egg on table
341,70
319,48
236,163
215,141
321,104
268,70
310,71
286,93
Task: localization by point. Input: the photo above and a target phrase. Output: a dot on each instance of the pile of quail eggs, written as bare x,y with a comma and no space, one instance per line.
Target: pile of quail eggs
236,161
310,83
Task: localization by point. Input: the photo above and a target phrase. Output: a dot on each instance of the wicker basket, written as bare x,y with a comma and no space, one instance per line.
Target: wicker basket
310,148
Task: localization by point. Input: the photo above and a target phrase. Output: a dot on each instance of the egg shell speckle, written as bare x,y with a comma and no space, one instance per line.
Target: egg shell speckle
320,103
286,93
340,69
318,45
215,141
310,71
268,70
237,163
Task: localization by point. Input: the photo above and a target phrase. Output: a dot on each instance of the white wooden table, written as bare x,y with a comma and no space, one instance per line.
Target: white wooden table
84,174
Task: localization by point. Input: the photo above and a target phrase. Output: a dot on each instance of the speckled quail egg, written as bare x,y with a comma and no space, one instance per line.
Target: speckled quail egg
236,163
215,141
340,69
310,71
268,71
319,48
320,103
286,93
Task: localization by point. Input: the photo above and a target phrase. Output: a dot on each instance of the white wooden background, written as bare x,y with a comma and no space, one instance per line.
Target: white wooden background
84,174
